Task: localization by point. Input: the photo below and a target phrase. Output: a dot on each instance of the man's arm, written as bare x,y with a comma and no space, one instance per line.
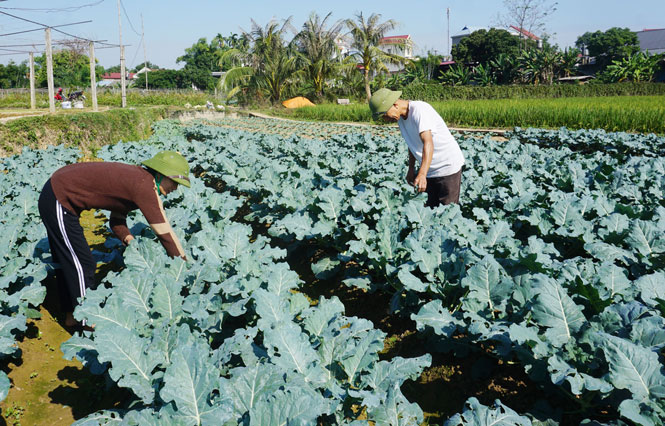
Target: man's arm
428,151
411,173
118,223
151,207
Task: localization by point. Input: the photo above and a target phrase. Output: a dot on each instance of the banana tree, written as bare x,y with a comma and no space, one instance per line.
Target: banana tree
504,68
457,75
638,67
483,76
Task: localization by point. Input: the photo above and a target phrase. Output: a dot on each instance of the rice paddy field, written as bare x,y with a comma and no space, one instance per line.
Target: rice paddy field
643,114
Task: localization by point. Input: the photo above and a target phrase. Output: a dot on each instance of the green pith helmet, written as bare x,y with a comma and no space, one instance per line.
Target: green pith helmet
172,165
382,100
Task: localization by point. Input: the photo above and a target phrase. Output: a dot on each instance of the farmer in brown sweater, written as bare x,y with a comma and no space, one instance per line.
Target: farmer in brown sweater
117,187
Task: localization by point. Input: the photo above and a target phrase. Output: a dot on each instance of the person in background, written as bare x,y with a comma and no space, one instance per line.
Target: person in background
429,141
117,187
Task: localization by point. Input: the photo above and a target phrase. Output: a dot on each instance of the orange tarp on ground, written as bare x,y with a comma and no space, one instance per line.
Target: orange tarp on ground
297,102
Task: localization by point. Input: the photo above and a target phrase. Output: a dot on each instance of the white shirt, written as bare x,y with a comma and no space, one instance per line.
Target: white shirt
447,158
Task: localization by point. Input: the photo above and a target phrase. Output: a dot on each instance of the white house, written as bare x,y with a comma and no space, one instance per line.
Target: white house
400,45
464,32
343,46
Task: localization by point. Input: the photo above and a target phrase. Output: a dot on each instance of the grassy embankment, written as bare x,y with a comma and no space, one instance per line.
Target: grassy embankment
87,130
644,114
17,99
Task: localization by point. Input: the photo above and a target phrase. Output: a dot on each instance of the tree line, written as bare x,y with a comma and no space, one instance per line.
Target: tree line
326,59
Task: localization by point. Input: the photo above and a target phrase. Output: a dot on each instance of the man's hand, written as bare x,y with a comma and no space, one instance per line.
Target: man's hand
420,183
128,239
410,176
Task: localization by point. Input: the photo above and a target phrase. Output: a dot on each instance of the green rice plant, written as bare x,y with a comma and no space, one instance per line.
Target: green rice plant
644,114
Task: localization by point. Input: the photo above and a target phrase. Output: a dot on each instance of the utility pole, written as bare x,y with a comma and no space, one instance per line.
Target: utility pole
49,71
93,77
448,33
145,54
33,100
122,60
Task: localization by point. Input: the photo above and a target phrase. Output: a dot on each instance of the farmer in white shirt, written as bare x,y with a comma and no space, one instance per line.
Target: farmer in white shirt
429,142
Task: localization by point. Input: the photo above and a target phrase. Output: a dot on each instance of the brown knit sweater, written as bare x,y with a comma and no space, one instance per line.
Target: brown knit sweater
119,188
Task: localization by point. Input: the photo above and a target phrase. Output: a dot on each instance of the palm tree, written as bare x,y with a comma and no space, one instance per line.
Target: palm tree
366,37
268,67
318,52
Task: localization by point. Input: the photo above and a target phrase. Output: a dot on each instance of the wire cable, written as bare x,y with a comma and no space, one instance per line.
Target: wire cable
54,10
43,27
136,54
54,27
129,20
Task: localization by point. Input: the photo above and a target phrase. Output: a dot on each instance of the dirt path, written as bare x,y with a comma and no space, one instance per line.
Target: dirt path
14,114
46,388
498,132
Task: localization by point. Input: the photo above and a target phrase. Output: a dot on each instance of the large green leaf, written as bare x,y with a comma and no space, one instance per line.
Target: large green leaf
434,315
396,410
646,239
289,349
252,384
477,414
486,286
294,407
189,382
166,299
652,288
132,360
554,308
634,368
359,356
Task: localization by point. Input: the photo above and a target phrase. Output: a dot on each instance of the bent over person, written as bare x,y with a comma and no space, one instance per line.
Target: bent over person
429,141
117,187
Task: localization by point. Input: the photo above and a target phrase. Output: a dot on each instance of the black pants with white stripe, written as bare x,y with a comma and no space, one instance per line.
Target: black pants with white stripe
68,247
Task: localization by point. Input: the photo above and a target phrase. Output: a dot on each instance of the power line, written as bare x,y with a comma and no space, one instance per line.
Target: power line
54,10
14,51
44,26
129,20
54,27
23,19
42,44
136,53
83,38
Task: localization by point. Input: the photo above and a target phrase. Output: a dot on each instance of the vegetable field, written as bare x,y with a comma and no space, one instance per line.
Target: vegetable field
552,268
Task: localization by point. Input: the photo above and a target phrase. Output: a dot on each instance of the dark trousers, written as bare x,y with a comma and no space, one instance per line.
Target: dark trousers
68,247
444,190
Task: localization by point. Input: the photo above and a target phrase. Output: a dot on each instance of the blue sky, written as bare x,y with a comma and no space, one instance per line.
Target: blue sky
171,26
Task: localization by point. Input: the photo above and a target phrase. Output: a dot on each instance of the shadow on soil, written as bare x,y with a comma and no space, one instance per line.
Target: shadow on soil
46,388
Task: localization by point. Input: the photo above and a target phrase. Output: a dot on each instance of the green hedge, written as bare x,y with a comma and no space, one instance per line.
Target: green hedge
438,92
